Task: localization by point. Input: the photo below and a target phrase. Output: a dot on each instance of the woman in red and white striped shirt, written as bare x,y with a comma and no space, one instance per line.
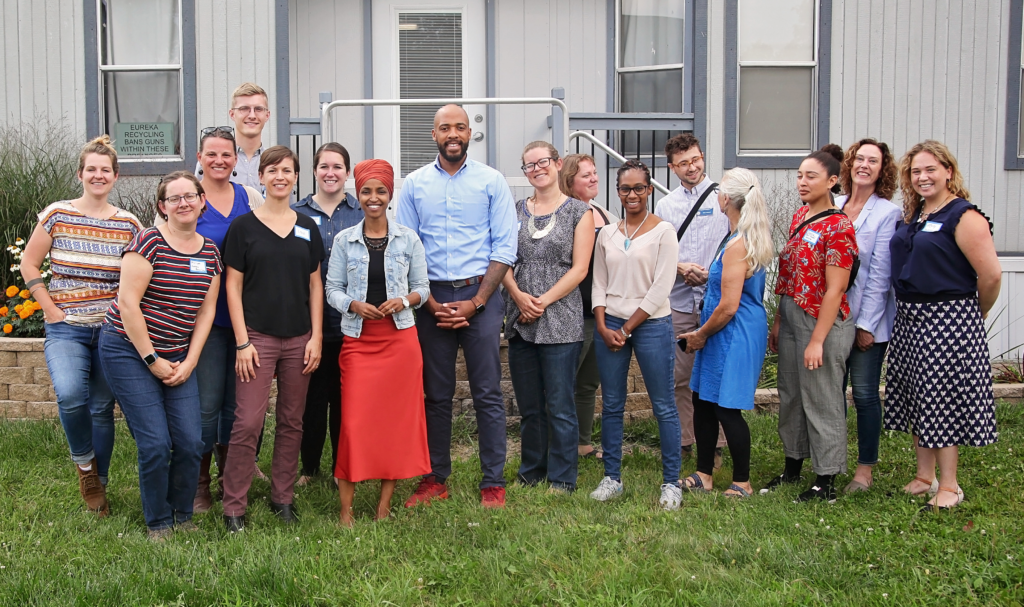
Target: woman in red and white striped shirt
151,342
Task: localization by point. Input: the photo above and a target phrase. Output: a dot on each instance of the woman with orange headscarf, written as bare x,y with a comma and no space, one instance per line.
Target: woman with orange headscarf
377,275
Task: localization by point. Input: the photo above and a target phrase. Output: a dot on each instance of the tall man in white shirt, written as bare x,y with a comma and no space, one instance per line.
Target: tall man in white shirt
697,249
250,111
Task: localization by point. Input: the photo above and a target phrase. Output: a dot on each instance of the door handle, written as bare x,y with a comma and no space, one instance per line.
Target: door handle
478,137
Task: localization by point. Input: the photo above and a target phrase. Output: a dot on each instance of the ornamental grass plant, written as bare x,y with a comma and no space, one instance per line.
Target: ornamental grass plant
872,548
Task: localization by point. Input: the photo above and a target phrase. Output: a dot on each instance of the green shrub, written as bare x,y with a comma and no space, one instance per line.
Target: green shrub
38,161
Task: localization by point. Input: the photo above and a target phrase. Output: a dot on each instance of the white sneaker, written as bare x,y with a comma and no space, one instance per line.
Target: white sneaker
671,496
607,489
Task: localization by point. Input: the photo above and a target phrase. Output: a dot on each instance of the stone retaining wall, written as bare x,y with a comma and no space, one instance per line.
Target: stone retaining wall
27,393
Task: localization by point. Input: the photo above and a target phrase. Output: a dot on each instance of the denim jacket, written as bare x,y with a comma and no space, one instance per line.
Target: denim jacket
405,270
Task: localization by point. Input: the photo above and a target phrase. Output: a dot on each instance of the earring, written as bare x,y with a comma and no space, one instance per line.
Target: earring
234,173
200,172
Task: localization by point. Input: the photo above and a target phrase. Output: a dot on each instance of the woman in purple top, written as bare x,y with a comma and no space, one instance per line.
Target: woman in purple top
225,200
946,275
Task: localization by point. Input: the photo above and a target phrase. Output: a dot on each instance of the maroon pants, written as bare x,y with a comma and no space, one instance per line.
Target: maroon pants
283,356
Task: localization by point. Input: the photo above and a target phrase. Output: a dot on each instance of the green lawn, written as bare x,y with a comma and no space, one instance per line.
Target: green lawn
870,549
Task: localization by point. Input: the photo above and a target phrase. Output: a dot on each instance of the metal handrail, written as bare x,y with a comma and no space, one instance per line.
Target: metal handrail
325,113
611,152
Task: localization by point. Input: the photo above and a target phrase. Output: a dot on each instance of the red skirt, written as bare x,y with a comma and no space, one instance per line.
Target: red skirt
383,422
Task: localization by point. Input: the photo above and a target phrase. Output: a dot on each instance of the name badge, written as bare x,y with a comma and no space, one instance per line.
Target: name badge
811,237
519,226
704,212
931,226
197,266
302,233
316,219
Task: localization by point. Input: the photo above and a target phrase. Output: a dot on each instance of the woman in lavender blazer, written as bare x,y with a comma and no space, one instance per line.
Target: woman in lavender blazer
869,177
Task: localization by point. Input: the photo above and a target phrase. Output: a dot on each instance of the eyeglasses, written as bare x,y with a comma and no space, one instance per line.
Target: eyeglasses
245,109
685,164
173,201
639,190
540,164
210,130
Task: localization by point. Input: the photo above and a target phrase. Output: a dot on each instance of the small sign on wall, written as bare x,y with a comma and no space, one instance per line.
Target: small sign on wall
144,138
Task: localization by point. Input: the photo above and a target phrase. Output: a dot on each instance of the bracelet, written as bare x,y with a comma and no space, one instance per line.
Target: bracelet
243,346
32,283
624,334
37,287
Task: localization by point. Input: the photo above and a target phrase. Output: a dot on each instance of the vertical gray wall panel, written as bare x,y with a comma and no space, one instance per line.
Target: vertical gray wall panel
326,42
234,44
42,62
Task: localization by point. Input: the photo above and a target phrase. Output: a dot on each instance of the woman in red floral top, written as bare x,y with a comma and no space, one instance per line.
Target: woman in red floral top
813,333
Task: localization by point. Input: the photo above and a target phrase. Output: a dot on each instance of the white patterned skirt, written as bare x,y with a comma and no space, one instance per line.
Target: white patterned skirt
938,386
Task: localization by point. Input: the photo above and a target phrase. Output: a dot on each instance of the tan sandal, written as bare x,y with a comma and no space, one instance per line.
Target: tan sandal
933,487
958,492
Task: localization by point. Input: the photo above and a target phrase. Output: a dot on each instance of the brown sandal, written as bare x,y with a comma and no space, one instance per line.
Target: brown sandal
958,492
933,487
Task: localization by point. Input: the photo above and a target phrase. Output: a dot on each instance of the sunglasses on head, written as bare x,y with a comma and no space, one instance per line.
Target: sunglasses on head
210,130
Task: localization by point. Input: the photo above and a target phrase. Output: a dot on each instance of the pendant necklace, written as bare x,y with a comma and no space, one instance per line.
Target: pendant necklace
532,226
629,237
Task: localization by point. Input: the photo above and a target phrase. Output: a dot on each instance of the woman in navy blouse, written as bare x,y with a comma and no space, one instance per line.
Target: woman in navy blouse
946,276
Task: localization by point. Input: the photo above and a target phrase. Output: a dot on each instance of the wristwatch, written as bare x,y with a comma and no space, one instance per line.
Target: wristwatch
405,302
480,307
150,359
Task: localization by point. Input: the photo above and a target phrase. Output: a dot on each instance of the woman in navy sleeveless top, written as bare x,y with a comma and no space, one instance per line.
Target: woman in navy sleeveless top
946,276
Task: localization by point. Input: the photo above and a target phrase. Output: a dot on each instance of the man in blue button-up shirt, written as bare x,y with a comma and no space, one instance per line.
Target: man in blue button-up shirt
464,214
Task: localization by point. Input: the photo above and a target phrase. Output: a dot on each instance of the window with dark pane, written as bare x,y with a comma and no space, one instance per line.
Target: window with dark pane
430,66
140,71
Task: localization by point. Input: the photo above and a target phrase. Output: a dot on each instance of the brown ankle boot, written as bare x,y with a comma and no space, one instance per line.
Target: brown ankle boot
92,490
222,458
203,500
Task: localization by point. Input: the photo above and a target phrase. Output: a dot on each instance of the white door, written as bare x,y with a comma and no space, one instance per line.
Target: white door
426,49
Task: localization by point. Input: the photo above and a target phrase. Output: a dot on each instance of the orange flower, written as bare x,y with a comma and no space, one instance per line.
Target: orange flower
25,313
8,328
18,308
25,294
12,291
37,305
4,311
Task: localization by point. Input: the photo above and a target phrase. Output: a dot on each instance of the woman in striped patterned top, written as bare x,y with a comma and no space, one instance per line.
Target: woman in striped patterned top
84,238
151,342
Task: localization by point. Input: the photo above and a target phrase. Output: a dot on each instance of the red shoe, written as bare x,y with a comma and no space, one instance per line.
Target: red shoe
492,497
426,492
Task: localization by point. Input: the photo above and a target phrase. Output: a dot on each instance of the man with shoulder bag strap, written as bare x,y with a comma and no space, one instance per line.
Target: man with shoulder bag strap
700,224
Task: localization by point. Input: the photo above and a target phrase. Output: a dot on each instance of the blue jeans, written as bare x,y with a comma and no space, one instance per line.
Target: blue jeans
654,344
84,401
166,424
215,375
863,371
544,380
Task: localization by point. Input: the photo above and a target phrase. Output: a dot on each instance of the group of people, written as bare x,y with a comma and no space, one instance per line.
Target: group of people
360,318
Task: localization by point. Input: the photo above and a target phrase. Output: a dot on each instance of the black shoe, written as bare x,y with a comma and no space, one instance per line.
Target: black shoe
687,451
234,523
778,481
285,512
825,493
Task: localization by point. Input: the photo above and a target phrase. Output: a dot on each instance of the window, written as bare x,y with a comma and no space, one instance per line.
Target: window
1014,153
140,86
777,78
650,57
430,66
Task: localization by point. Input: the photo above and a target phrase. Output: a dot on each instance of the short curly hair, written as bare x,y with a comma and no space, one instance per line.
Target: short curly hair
888,176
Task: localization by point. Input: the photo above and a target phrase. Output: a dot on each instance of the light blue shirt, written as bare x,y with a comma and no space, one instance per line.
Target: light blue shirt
465,220
405,272
872,299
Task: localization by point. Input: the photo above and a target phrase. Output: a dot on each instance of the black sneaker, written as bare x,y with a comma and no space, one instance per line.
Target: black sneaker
778,481
817,492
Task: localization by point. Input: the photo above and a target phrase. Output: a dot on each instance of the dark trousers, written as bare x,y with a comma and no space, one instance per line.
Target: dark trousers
706,419
480,342
323,410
